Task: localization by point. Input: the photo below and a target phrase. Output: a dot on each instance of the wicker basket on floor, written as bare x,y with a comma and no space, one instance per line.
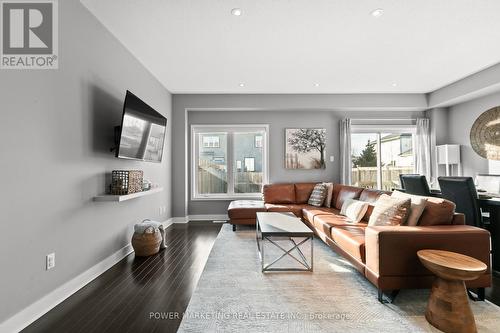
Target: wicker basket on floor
147,243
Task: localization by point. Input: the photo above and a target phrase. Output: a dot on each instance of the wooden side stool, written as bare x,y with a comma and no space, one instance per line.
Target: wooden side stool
448,308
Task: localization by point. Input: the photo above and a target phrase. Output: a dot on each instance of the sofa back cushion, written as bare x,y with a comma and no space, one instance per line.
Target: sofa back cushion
438,211
303,192
279,193
343,192
371,195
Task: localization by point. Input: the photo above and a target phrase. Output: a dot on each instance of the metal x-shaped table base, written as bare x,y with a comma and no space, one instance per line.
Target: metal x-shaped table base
303,261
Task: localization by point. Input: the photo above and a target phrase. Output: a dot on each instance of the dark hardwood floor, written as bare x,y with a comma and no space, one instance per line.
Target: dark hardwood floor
125,297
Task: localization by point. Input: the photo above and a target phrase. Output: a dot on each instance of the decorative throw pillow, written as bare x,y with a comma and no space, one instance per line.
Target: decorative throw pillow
318,195
354,210
390,211
418,204
329,194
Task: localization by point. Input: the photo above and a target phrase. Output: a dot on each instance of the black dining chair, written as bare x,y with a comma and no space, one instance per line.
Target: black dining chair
415,184
462,191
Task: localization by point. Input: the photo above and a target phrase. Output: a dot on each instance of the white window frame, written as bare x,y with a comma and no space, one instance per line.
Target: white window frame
230,161
379,129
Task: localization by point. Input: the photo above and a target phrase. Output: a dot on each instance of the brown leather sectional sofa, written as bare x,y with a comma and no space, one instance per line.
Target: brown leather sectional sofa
386,256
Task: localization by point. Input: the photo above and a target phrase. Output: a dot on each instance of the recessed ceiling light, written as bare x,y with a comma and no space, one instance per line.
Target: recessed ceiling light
377,12
236,11
316,84
242,84
394,84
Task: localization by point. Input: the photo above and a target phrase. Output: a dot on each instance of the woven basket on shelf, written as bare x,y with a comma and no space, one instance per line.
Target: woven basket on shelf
126,181
147,243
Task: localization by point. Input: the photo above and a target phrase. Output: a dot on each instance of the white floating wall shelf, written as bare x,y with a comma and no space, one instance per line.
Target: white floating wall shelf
125,197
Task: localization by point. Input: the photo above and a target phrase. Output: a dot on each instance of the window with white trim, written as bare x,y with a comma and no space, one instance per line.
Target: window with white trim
380,153
228,161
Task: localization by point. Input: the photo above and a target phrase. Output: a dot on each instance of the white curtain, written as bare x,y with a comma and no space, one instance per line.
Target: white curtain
345,151
423,148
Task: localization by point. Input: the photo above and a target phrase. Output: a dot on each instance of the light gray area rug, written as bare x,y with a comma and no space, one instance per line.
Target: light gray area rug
234,296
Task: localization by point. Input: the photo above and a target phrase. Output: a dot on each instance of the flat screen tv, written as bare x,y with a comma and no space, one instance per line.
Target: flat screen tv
142,133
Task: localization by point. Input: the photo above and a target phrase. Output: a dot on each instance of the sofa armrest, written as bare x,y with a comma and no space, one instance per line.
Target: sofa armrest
458,219
392,250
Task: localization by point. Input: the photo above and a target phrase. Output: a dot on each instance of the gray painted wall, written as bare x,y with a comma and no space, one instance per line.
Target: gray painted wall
288,116
55,135
439,134
461,117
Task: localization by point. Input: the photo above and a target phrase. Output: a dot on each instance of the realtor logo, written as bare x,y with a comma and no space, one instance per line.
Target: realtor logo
29,34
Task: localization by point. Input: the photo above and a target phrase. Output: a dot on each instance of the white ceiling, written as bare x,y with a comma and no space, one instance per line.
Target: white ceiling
286,46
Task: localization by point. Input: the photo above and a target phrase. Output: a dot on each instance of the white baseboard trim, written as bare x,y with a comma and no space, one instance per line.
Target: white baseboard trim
180,219
202,217
168,223
208,217
28,315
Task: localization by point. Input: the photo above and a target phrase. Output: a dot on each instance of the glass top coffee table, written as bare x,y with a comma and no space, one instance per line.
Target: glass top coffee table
273,227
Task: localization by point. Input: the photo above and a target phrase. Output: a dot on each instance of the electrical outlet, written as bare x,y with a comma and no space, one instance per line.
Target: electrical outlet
50,261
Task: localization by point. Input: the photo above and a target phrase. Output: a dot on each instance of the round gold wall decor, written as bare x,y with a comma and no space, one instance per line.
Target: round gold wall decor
485,134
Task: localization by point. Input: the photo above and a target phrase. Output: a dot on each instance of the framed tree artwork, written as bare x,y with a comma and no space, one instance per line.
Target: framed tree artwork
305,148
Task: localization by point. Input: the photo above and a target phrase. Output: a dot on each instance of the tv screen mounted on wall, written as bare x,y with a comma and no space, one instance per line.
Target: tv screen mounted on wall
142,133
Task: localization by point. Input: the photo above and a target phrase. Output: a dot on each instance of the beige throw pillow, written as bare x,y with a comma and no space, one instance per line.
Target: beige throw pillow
329,194
354,210
318,195
418,204
390,211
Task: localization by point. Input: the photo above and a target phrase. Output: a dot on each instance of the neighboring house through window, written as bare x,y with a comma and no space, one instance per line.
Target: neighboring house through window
249,164
211,141
258,141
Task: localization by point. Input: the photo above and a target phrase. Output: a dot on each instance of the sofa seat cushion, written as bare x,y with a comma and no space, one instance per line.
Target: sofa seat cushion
294,208
351,239
325,223
245,209
309,212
